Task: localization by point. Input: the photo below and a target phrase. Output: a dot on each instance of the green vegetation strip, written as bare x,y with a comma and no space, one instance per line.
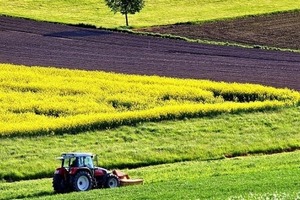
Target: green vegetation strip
261,177
46,101
146,144
156,12
203,41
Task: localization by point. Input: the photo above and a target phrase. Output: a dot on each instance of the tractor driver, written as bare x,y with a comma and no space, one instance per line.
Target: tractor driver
75,163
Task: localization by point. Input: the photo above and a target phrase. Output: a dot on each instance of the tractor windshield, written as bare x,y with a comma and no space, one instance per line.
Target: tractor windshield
84,161
70,162
66,162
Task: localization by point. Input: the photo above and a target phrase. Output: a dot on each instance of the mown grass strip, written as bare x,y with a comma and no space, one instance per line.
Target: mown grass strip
260,177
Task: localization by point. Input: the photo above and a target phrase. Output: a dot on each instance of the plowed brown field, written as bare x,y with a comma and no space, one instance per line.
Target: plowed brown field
280,30
46,44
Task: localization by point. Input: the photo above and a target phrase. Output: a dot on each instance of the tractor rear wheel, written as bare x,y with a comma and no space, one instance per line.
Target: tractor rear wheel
82,181
59,184
112,181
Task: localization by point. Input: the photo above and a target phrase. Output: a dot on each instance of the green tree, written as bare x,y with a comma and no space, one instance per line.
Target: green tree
125,7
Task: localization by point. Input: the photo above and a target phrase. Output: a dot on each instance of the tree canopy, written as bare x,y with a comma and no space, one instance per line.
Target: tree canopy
125,7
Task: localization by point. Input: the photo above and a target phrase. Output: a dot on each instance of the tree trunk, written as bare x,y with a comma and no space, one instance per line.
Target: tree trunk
126,17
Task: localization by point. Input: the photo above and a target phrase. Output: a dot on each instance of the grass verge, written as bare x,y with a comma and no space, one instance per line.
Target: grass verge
259,177
211,42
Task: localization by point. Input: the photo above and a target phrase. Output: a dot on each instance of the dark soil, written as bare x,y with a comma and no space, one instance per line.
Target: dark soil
280,30
47,44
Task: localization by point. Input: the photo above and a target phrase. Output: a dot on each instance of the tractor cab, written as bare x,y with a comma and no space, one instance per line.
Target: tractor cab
70,160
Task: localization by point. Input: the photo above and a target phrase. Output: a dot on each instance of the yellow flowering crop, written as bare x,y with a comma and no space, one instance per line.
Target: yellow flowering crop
36,100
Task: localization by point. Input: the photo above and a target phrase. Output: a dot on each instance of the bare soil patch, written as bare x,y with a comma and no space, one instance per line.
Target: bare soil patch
30,42
280,30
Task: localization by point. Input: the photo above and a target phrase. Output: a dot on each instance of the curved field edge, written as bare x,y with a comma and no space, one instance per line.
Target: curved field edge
206,41
208,138
156,12
269,177
245,31
45,101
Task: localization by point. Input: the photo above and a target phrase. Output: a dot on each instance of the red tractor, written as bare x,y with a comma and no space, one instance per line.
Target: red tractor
78,173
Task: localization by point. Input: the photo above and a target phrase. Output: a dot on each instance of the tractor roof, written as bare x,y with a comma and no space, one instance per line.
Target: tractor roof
75,154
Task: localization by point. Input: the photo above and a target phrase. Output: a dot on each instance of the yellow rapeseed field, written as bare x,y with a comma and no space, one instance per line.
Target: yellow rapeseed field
36,100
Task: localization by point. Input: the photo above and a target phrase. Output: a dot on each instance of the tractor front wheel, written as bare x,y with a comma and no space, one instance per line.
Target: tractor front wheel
112,181
59,184
82,181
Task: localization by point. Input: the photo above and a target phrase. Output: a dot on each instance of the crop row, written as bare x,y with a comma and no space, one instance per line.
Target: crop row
37,100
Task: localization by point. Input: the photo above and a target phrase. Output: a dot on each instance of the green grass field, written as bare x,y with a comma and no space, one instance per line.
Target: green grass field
152,143
258,177
155,12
